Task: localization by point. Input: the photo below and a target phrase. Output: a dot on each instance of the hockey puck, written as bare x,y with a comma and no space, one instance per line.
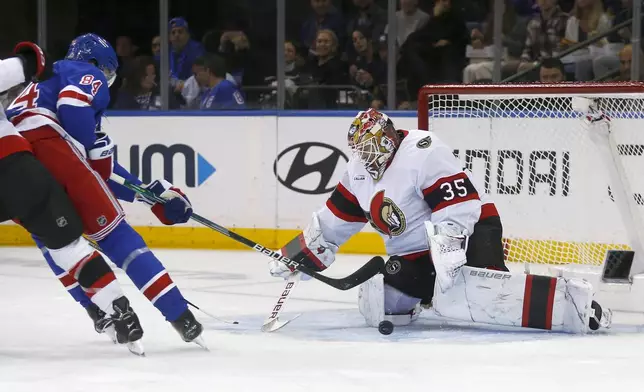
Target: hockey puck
386,327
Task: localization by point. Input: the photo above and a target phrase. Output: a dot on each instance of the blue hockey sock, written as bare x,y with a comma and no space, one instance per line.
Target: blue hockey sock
128,251
70,283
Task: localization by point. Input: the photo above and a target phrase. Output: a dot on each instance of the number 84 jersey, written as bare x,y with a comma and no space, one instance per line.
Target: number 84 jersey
424,182
71,102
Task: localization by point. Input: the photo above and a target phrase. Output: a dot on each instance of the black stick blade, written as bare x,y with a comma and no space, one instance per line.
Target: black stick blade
366,272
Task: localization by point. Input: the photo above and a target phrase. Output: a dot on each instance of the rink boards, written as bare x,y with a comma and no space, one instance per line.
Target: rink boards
263,175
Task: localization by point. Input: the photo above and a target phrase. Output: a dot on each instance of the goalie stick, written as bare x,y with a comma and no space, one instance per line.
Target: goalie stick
364,273
273,323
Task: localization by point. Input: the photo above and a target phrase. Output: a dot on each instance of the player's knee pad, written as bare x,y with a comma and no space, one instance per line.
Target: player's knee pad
414,278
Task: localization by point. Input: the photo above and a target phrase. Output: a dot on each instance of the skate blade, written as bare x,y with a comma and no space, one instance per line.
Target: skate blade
111,333
136,348
275,324
199,341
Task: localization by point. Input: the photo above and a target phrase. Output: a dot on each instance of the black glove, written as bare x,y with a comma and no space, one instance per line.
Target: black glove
34,61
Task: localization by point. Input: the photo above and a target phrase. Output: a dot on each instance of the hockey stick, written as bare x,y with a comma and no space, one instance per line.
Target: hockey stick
273,323
364,273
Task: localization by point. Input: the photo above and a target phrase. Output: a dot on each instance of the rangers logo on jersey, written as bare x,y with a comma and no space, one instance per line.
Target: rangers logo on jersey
385,216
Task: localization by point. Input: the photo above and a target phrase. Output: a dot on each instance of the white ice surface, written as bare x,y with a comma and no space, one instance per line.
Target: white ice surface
47,342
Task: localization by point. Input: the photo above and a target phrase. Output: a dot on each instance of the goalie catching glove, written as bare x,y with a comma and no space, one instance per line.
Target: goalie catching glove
447,244
176,209
309,248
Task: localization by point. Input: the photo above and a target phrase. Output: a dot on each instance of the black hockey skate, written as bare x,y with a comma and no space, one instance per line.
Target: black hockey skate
100,319
189,328
127,326
102,323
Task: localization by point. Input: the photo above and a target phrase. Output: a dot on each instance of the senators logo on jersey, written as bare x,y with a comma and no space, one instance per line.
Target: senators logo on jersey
385,216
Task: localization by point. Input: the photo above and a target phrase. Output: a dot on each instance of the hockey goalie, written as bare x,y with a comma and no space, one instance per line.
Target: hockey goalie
443,238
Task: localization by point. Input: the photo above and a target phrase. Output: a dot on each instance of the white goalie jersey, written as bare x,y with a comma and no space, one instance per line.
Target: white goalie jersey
11,74
424,182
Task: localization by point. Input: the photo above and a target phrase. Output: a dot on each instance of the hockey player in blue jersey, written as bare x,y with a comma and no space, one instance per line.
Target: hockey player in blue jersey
222,94
61,118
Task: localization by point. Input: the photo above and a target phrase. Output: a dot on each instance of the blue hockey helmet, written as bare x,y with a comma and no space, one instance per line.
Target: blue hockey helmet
91,47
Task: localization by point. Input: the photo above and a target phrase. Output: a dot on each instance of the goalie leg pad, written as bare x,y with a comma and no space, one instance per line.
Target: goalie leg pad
371,300
378,301
531,301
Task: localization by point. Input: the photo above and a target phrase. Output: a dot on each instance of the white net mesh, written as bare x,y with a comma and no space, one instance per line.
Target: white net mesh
534,157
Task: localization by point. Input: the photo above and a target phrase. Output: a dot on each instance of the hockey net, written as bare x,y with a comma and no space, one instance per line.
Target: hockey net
530,151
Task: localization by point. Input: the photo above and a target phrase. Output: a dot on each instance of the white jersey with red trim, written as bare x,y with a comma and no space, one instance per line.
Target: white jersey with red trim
424,182
11,74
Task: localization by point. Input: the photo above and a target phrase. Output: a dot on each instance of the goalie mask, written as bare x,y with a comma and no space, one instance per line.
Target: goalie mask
373,141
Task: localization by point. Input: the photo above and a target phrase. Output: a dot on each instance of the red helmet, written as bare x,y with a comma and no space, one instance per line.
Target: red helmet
373,140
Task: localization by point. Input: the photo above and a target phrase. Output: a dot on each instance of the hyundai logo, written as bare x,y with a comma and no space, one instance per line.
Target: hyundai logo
310,168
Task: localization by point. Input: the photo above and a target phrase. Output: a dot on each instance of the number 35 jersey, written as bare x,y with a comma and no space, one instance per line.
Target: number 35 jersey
424,182
71,102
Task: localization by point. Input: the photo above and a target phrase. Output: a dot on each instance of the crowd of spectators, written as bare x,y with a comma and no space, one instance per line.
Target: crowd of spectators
338,59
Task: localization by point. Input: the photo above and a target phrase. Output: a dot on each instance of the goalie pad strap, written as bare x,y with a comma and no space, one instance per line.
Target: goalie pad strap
538,300
297,250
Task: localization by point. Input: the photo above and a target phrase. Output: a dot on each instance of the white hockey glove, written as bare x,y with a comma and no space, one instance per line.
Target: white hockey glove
590,109
447,244
308,248
278,269
594,120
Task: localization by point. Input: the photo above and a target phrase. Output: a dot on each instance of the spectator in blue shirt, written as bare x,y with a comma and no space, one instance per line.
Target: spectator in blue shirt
210,72
184,52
